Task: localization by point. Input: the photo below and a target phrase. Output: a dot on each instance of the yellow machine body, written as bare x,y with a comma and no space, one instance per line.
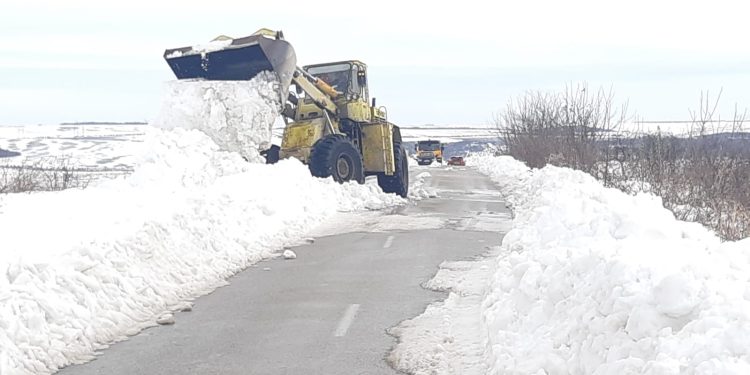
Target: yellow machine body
312,121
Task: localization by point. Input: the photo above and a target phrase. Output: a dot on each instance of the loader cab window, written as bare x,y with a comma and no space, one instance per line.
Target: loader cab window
342,77
337,75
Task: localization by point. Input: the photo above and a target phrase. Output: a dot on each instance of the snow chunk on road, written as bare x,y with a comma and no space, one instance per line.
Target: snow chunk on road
289,254
418,190
166,319
236,115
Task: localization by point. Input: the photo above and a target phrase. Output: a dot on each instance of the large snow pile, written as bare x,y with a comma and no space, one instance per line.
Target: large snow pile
82,268
594,281
237,115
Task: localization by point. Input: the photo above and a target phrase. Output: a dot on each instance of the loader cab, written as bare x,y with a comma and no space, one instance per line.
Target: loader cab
347,77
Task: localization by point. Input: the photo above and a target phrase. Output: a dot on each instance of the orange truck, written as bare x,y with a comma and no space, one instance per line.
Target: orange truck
429,150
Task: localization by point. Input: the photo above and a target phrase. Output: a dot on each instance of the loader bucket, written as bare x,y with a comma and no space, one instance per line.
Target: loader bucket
236,60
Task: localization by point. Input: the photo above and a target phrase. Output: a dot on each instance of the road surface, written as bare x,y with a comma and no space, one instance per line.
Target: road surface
326,312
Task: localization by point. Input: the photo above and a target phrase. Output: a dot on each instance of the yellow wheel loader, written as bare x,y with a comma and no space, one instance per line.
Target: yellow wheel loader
331,125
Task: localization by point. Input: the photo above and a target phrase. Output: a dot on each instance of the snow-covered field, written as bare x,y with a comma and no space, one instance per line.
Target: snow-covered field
588,281
448,134
99,147
80,269
682,128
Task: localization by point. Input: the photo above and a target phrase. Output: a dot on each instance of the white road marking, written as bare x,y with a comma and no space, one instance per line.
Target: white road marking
477,200
388,242
346,320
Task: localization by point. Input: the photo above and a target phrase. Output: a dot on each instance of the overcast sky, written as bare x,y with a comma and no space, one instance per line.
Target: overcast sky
437,62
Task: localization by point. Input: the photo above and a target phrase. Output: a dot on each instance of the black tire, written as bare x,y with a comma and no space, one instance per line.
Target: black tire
335,155
399,182
272,154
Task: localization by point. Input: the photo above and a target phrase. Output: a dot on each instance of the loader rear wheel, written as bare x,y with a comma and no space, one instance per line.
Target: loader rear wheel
336,156
399,182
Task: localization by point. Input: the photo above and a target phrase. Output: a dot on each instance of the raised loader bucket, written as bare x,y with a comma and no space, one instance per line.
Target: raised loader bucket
238,59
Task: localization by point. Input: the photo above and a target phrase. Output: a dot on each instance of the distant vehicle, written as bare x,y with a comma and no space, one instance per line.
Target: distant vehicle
433,146
456,160
425,157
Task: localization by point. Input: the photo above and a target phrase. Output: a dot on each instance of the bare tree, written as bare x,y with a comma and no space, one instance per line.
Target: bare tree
565,129
701,176
51,174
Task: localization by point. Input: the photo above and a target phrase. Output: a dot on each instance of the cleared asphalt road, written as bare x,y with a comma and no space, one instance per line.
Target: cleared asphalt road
327,311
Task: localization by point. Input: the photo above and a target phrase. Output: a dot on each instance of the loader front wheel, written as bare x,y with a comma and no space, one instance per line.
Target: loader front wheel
399,182
272,154
336,156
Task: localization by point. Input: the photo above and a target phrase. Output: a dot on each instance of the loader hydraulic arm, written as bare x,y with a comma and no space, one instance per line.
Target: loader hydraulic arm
320,92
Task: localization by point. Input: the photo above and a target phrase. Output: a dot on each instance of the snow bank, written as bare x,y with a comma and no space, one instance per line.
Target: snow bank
82,268
237,115
593,281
